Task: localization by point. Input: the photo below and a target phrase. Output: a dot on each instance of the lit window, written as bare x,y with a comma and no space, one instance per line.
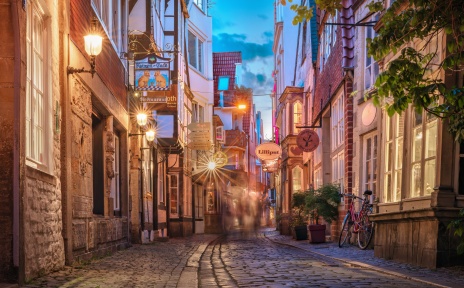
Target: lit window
195,51
297,117
423,154
296,179
38,90
394,129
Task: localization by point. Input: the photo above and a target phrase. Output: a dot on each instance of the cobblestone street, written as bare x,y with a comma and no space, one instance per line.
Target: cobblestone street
263,259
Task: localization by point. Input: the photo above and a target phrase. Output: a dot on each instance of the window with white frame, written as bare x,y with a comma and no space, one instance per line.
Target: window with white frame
200,4
113,20
328,39
115,181
195,51
297,173
338,169
337,123
371,67
393,157
38,88
297,116
370,163
423,153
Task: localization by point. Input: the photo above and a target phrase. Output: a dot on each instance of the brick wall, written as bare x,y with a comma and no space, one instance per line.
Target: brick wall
108,65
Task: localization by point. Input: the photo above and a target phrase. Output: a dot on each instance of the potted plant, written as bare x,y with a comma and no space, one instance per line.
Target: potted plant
299,216
322,203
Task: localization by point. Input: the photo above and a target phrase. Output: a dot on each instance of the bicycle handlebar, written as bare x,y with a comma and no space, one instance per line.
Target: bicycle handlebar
351,196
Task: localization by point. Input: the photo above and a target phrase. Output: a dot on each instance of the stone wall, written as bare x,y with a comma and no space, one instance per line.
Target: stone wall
92,235
42,220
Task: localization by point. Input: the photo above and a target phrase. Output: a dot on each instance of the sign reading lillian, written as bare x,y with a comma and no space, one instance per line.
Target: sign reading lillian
152,75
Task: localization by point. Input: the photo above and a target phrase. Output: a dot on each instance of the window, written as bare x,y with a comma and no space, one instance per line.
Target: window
318,151
161,184
296,179
195,51
394,131
115,182
370,163
198,190
200,4
317,178
297,117
371,70
328,39
223,83
38,89
337,123
338,169
303,42
423,153
173,185
113,19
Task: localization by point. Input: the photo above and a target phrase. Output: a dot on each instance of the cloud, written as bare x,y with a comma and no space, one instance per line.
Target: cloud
268,34
250,51
263,16
219,24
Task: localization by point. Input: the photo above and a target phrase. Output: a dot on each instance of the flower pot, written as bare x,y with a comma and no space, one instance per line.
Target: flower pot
317,233
301,232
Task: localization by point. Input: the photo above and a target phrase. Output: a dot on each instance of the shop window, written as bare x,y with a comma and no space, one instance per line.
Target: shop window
394,132
423,154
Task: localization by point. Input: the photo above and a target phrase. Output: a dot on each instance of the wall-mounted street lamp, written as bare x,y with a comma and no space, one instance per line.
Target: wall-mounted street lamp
142,119
241,106
93,47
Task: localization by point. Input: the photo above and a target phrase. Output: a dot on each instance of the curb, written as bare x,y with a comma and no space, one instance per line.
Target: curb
362,265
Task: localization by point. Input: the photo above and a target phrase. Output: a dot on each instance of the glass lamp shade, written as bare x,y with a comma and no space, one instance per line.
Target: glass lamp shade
93,44
212,165
241,106
150,135
142,119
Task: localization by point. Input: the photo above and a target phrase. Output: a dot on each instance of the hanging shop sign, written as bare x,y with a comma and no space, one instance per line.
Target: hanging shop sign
268,151
152,78
307,140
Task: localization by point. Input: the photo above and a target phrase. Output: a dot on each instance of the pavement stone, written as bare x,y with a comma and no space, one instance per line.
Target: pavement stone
350,254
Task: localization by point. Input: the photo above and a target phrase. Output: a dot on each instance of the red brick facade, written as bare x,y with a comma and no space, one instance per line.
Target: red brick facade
108,65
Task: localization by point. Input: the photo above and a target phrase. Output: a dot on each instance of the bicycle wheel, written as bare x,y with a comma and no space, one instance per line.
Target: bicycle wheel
346,230
366,230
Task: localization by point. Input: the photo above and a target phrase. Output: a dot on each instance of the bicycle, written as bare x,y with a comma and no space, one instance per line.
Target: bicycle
357,222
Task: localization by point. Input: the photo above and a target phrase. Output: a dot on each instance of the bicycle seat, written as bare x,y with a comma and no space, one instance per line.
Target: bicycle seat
368,192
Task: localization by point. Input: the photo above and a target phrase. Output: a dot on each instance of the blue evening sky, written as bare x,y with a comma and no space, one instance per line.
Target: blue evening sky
248,26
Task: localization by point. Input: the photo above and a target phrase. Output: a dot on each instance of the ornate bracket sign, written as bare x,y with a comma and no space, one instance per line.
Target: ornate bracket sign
268,151
152,78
